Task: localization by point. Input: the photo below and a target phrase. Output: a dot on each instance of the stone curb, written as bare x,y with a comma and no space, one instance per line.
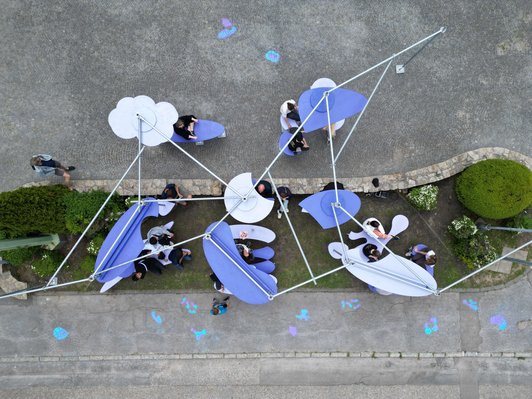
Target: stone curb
267,355
396,181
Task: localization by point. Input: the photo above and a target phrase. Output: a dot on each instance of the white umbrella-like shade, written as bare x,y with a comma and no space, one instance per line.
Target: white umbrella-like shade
252,208
125,123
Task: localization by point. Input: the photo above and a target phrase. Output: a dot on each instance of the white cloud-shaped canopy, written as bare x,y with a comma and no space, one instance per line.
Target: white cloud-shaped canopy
125,124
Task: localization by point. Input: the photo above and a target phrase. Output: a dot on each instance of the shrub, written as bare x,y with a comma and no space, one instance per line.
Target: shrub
522,221
475,251
424,198
495,188
462,227
33,210
95,244
47,264
81,208
20,256
85,268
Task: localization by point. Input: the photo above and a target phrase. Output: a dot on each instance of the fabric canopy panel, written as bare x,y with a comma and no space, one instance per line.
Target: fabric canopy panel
319,207
394,274
243,280
254,208
128,246
204,130
125,124
343,104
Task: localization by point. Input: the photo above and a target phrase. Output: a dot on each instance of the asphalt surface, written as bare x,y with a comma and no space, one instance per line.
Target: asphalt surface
66,64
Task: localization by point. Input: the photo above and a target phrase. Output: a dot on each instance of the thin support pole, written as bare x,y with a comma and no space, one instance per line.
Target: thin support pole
270,296
333,206
485,266
398,258
442,30
419,51
225,216
308,281
140,158
326,96
489,227
362,112
184,199
43,288
164,248
292,228
95,216
190,156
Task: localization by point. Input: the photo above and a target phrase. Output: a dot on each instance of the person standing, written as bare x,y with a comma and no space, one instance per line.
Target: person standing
44,165
285,194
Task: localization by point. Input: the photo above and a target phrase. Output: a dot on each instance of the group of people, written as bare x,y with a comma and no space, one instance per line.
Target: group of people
264,188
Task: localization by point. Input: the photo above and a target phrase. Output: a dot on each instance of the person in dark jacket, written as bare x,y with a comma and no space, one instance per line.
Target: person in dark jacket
142,266
184,127
371,252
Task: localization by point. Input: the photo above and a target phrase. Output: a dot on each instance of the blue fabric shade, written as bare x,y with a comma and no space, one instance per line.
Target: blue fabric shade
236,281
343,104
319,207
129,244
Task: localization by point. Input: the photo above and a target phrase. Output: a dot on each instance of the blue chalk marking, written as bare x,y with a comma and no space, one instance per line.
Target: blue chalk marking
303,315
156,318
470,304
352,304
273,56
227,33
199,334
499,321
60,333
431,329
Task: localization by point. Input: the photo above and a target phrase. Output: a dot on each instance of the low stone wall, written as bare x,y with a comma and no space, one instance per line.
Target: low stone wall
395,181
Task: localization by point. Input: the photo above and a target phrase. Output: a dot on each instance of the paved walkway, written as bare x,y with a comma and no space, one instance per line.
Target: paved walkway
68,64
484,341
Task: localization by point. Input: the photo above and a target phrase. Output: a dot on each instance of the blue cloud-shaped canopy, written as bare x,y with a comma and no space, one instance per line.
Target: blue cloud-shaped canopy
343,104
243,284
319,207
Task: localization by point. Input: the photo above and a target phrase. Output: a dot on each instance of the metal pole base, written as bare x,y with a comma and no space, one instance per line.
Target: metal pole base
399,69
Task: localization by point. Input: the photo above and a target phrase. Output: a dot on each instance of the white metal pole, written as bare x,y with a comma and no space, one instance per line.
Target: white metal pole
362,112
140,158
95,216
43,288
292,228
164,248
308,281
333,206
442,29
326,96
270,296
485,266
184,199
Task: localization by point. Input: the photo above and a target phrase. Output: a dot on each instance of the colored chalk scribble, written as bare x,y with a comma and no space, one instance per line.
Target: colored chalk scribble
228,31
431,329
60,333
156,318
351,304
191,307
199,333
499,321
273,56
303,315
471,304
292,330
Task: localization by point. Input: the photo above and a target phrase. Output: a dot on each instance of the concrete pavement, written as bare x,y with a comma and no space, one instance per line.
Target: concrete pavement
66,64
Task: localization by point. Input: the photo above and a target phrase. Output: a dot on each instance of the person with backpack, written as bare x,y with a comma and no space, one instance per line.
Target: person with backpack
44,165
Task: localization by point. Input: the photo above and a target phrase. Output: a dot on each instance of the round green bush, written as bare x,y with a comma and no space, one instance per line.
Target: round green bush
495,188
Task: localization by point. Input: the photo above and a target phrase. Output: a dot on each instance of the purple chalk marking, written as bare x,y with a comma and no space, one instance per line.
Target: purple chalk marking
191,307
156,318
352,304
60,333
226,22
303,315
292,330
499,321
226,33
273,56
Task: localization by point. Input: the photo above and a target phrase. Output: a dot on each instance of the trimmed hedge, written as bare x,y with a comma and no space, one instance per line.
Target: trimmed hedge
495,188
33,210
